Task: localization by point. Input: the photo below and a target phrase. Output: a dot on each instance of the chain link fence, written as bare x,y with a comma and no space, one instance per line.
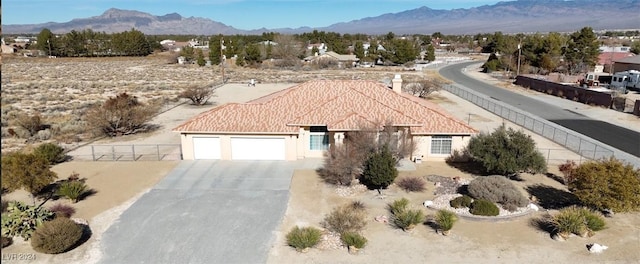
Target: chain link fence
580,144
136,152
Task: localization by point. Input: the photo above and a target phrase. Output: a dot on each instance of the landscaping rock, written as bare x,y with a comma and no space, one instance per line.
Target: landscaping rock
596,248
382,219
427,203
533,207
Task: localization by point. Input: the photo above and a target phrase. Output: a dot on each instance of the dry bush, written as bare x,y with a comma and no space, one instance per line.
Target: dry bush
423,88
412,184
497,189
31,123
346,218
121,115
198,95
56,236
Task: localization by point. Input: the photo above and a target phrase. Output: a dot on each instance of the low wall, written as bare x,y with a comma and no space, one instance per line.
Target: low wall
569,92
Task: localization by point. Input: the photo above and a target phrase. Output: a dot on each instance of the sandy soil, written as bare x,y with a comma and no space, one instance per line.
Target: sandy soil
471,241
117,186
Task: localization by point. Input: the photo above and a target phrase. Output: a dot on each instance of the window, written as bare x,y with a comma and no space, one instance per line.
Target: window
441,145
319,138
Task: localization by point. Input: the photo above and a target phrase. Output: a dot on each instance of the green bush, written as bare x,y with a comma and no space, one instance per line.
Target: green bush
607,184
445,219
380,169
506,152
412,184
353,239
56,236
593,220
346,218
484,207
461,201
569,221
21,219
53,153
398,206
497,189
73,190
408,219
301,238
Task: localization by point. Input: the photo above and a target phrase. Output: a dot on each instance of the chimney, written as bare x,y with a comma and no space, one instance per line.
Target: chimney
396,84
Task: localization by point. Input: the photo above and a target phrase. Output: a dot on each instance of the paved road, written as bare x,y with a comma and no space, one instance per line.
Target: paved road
204,212
615,136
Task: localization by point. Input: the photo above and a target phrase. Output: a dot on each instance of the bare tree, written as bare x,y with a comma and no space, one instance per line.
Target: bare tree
287,49
199,95
423,88
344,162
31,123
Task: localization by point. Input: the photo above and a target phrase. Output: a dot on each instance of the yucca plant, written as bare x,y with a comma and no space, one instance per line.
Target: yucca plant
73,190
569,221
408,219
353,239
398,206
445,220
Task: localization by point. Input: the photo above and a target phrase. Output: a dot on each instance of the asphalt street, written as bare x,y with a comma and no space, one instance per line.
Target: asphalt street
615,136
204,212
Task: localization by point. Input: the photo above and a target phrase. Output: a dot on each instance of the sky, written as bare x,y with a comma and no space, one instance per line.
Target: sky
240,14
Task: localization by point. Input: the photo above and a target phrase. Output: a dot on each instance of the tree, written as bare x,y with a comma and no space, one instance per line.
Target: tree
635,47
506,152
214,50
380,169
120,115
358,50
582,50
200,58
26,171
252,55
423,88
47,42
430,55
607,184
188,53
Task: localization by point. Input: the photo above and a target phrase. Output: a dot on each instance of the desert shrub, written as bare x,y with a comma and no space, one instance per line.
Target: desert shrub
43,134
458,156
357,205
409,218
51,152
346,218
21,219
484,207
56,236
497,189
569,221
445,219
31,123
197,95
73,190
594,221
62,210
353,239
5,205
412,184
461,201
26,171
120,115
507,152
607,184
398,206
6,241
301,238
380,169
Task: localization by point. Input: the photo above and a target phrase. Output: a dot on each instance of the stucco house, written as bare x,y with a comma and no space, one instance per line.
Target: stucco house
304,120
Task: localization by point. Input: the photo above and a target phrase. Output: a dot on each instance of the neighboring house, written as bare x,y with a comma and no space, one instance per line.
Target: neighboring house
341,59
606,58
8,49
626,64
304,120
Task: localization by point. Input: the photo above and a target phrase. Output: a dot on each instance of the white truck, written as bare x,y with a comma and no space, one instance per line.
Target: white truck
626,79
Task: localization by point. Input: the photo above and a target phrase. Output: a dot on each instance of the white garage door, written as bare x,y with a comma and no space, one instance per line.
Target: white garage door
257,149
206,148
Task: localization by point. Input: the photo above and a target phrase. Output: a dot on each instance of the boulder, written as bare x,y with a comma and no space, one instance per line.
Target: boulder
533,207
427,203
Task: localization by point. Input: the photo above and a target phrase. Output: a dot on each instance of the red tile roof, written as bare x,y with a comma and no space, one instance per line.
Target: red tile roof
606,58
340,105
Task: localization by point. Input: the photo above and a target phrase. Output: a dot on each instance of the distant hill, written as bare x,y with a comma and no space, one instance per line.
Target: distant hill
508,17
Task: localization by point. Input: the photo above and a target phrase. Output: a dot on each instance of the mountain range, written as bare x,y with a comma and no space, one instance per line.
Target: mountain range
507,17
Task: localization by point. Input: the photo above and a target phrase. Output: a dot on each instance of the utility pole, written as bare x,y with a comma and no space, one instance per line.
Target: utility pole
519,55
222,59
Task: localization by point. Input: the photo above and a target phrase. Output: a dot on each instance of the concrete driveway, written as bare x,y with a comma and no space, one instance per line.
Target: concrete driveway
205,212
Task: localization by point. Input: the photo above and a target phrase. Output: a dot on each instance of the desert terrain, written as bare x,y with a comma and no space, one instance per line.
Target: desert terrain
119,184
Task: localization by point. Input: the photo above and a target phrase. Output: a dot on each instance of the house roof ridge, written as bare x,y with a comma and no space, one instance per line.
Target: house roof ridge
203,115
